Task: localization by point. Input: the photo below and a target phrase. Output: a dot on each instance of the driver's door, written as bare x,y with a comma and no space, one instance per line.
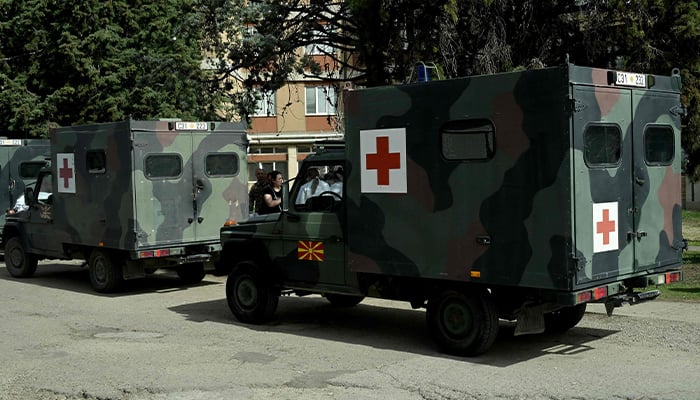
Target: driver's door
313,236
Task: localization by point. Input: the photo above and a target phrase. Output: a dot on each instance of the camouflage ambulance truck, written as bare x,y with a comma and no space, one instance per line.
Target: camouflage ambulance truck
520,196
20,163
131,197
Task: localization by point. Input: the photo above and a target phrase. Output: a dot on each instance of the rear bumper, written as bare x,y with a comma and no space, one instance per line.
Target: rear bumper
622,292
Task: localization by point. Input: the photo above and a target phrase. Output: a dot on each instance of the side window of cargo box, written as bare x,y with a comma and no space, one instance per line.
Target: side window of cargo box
602,145
658,145
96,161
221,164
30,169
158,166
467,140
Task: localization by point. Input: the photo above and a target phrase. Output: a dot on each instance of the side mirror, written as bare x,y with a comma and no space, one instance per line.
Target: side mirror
285,196
29,198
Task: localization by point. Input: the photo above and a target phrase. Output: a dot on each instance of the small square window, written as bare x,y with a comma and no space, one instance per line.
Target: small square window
96,161
658,145
468,140
30,169
222,164
163,166
603,145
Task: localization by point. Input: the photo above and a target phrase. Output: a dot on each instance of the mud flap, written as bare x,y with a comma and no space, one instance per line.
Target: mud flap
530,320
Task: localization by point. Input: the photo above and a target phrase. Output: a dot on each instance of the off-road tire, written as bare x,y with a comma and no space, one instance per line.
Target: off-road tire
191,273
564,319
18,263
343,300
251,298
462,324
105,271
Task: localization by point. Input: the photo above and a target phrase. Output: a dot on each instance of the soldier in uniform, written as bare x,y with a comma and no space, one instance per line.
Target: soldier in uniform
255,196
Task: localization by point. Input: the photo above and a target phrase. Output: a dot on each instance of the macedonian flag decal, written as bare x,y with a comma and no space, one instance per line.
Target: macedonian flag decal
310,250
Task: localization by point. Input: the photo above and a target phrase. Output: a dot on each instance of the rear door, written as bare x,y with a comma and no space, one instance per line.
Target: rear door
189,182
163,191
657,179
602,175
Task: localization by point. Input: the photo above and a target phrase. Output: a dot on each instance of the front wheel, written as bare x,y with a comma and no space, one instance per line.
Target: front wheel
251,298
105,271
19,264
564,319
462,324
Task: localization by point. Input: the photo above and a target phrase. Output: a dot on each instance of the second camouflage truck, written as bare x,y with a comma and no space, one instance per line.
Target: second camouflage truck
521,196
20,163
131,197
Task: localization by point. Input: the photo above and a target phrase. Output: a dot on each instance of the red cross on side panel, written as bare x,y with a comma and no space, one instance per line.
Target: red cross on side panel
383,161
65,173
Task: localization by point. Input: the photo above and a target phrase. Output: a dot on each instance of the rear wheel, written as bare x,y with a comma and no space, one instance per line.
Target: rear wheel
564,319
343,300
251,298
191,273
105,271
19,264
462,324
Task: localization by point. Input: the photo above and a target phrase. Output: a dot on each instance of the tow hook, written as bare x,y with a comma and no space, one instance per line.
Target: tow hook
629,298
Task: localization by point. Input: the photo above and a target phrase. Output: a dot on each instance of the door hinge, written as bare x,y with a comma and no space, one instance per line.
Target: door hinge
577,105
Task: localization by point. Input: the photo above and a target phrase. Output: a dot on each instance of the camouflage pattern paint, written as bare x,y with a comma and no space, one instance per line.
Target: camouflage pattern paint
19,157
523,217
114,204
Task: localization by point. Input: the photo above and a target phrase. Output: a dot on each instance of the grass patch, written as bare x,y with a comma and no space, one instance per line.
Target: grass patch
689,288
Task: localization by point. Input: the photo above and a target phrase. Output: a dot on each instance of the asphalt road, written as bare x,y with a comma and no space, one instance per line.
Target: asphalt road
162,340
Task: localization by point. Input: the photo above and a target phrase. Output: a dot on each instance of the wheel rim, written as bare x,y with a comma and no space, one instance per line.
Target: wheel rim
99,270
246,293
457,319
16,257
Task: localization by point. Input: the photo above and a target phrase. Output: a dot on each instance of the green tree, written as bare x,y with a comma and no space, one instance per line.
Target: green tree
371,42
85,61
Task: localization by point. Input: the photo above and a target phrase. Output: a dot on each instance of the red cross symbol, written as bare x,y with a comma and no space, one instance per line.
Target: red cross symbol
65,173
383,161
605,227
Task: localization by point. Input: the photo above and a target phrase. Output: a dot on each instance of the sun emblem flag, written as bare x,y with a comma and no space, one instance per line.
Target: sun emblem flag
310,250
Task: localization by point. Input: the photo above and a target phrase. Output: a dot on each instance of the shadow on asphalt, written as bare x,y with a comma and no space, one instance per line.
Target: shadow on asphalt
73,276
397,329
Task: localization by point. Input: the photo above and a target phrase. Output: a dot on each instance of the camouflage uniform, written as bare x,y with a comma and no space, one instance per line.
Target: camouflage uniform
255,196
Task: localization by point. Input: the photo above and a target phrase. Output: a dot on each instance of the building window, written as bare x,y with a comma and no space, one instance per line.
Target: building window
320,100
163,166
468,140
658,145
603,145
269,158
319,48
264,104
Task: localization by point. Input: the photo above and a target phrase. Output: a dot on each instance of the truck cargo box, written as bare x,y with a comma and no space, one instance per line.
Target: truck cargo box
559,178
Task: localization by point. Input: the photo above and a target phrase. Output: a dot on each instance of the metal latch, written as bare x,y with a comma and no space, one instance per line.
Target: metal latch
638,235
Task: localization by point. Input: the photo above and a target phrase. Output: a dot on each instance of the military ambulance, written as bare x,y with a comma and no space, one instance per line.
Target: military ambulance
520,196
20,163
131,197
